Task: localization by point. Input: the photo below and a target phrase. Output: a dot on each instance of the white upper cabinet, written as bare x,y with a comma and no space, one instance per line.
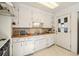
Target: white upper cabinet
42,17
37,15
23,16
15,19
47,20
27,15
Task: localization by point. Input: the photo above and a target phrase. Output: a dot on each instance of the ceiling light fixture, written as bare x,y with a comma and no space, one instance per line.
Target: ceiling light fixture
51,5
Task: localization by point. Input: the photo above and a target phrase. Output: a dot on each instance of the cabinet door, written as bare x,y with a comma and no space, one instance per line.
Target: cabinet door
25,48
25,17
36,15
47,20
36,47
17,49
28,46
50,41
42,43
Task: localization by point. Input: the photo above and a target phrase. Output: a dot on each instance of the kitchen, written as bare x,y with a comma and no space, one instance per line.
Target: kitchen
31,27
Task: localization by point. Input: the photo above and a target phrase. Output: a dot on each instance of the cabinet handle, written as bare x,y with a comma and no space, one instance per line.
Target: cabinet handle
56,32
21,44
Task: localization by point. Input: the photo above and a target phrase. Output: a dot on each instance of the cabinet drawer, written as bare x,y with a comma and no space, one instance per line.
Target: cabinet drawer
16,40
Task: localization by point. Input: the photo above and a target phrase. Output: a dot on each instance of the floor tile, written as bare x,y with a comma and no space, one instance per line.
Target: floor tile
54,51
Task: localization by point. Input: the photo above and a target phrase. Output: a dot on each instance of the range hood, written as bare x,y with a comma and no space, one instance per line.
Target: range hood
6,9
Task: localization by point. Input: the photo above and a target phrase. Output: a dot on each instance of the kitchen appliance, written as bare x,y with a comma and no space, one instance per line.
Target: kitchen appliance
2,37
4,51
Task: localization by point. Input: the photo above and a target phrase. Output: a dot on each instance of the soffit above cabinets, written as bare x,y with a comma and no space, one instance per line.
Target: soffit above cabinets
61,5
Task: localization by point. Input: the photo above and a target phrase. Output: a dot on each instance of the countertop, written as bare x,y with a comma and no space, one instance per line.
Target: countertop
20,36
3,42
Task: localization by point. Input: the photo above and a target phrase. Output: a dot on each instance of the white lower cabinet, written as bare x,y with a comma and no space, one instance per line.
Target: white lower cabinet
17,49
26,46
50,42
43,43
40,43
22,46
37,45
17,46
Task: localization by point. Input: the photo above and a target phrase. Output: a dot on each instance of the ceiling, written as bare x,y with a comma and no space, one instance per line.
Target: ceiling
62,5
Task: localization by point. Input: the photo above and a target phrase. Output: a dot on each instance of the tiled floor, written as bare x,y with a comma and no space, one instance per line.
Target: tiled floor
54,51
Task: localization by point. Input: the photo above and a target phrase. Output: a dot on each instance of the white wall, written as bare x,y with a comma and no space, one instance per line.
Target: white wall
72,11
5,28
5,25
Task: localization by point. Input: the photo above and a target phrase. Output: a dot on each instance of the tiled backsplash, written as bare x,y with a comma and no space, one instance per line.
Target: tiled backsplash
32,31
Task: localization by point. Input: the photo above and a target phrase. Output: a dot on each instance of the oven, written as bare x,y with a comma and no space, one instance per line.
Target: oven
4,51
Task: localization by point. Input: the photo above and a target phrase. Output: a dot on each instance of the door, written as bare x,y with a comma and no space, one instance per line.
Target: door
63,31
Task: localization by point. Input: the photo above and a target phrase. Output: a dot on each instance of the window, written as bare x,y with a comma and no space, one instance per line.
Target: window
59,20
65,19
65,30
62,25
59,30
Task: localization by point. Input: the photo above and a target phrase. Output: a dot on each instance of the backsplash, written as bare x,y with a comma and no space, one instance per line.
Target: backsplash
31,31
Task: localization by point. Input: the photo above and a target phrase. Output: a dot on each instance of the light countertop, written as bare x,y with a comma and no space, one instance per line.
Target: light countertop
3,42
